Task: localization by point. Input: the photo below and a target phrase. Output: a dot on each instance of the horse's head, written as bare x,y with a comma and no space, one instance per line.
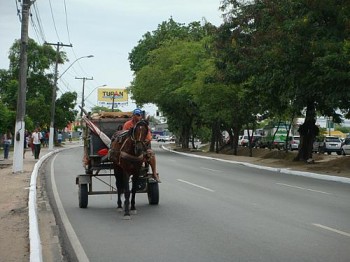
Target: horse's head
138,135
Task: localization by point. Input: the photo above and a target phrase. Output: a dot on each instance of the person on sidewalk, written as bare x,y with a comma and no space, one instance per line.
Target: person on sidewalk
36,137
59,138
150,156
6,141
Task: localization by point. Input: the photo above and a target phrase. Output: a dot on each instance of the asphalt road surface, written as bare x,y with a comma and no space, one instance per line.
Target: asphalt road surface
208,211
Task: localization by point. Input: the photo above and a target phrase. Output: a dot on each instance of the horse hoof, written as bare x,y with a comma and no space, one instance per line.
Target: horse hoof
126,217
133,212
119,209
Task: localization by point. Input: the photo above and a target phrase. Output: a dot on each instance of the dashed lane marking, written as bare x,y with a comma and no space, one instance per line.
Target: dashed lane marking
195,185
332,230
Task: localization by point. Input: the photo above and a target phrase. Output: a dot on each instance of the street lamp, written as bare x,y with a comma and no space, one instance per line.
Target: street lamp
88,56
114,94
53,102
94,90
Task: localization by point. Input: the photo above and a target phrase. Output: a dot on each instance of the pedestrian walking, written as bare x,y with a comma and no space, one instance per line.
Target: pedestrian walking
36,137
59,138
6,142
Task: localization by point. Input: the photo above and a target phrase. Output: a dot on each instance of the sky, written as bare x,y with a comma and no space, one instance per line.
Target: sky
106,29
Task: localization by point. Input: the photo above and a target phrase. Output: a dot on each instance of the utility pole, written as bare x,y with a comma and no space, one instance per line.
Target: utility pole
54,93
17,165
114,94
83,93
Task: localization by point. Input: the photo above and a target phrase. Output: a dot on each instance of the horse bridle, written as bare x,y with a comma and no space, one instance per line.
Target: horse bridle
132,133
138,139
135,140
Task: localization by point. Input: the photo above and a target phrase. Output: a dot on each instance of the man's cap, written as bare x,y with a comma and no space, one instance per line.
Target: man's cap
137,111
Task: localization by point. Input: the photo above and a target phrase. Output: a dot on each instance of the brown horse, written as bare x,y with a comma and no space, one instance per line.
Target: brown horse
127,154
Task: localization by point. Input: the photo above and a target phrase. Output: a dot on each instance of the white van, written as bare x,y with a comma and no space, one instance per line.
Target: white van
293,143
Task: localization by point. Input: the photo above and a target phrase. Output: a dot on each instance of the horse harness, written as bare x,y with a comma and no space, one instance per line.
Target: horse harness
122,137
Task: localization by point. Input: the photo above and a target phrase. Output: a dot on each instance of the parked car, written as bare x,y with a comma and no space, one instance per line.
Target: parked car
245,142
330,144
293,143
163,139
345,149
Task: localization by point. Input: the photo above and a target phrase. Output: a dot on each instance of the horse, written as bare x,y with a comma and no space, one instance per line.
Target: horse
127,154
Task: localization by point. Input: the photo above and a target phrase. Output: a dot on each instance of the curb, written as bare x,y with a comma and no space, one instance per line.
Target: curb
34,235
274,169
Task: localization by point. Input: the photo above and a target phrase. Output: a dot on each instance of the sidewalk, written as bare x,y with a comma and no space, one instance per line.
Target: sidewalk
14,193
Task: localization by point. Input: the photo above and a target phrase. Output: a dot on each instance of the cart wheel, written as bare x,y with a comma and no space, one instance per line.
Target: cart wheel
83,196
153,193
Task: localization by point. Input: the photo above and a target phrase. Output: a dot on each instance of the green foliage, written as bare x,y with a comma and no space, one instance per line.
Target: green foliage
65,112
294,55
166,31
40,58
7,119
268,57
175,57
295,51
39,89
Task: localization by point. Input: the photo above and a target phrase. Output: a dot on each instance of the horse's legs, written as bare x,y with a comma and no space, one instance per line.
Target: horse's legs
127,196
118,173
133,194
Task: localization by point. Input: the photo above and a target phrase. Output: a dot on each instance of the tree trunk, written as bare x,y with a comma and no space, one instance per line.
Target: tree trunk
218,137
236,130
212,139
308,131
185,137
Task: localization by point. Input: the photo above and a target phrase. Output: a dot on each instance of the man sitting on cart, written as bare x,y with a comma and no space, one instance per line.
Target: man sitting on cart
150,156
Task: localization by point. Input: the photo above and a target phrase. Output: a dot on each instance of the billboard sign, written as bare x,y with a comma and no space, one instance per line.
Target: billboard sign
107,96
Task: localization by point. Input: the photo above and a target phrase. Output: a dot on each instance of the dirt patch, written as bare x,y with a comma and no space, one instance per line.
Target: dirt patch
14,244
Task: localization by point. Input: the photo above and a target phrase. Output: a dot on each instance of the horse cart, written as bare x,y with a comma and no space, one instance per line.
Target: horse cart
99,131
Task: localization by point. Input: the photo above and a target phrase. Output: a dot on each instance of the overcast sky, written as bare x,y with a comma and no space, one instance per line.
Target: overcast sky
107,29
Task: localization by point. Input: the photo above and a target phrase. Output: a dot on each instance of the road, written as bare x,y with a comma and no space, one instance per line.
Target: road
209,211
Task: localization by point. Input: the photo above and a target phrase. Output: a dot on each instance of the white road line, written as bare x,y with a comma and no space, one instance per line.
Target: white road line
77,247
303,188
195,185
333,230
214,170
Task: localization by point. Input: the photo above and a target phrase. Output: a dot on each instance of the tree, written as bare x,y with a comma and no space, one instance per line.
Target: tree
7,119
293,51
40,86
168,77
167,30
65,112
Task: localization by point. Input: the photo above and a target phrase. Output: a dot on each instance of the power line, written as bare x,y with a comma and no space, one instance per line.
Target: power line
18,12
38,19
54,23
65,11
34,26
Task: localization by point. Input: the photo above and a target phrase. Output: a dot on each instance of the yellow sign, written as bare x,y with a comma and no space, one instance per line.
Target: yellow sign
108,95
